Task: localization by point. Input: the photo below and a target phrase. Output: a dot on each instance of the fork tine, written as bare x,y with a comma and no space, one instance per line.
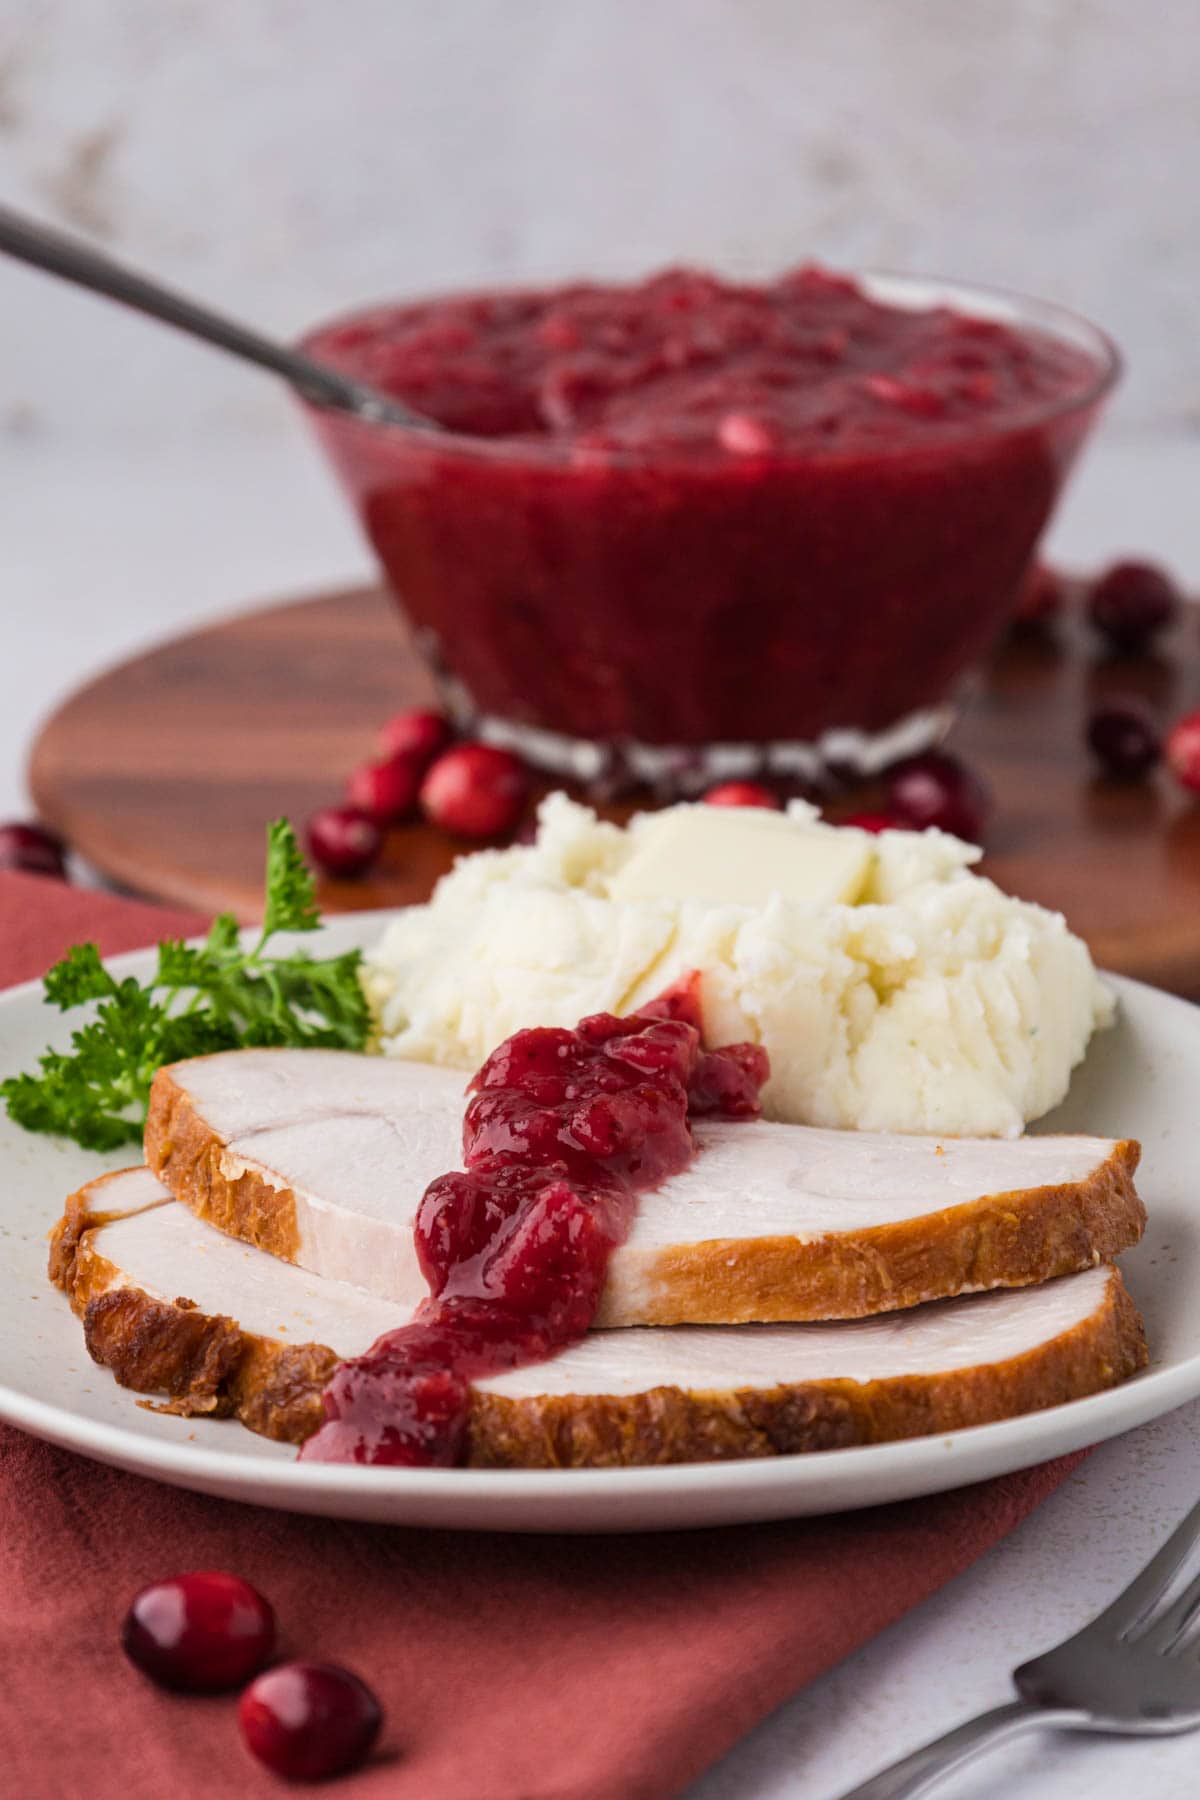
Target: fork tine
1167,1632
1135,1604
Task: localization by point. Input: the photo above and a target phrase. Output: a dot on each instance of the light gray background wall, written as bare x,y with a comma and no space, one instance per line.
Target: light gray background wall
292,156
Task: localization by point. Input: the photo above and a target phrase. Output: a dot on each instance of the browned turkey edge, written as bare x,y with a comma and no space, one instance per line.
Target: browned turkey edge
1017,1239
185,1153
206,1364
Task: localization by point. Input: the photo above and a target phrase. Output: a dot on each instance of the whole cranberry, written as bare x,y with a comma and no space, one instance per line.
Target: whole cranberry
422,734
475,791
744,435
307,1720
1040,599
344,840
936,789
31,849
1183,751
1122,737
742,793
874,821
1131,602
387,791
201,1632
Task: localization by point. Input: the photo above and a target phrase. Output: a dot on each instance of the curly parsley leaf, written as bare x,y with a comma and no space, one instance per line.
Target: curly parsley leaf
202,997
79,977
291,893
223,942
180,965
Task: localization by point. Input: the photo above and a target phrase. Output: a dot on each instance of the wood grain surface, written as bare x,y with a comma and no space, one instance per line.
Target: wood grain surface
162,772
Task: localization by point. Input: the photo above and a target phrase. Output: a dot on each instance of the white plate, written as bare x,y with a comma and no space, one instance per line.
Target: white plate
1139,1080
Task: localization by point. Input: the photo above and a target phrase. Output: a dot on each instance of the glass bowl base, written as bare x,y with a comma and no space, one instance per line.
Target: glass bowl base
682,771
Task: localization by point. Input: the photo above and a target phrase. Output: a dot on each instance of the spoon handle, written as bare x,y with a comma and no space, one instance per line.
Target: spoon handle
73,260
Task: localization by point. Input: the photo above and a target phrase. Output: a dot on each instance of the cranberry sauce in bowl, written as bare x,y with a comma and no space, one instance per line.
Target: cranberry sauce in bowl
689,512
562,1132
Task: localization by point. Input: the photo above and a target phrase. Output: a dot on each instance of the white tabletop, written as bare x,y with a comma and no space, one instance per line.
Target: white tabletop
104,554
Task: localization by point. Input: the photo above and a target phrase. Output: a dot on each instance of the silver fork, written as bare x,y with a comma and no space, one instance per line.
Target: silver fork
1134,1671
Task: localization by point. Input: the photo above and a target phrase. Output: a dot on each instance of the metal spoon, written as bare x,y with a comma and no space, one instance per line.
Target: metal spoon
59,254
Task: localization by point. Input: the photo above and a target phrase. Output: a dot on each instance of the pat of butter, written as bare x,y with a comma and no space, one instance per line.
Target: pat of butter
741,856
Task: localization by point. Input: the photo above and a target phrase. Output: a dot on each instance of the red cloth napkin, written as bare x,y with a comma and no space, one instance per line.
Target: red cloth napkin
511,1668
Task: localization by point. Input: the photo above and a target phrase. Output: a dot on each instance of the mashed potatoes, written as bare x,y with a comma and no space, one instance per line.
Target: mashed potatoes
929,1002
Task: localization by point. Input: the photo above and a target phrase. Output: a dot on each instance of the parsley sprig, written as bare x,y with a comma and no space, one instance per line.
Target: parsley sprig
213,996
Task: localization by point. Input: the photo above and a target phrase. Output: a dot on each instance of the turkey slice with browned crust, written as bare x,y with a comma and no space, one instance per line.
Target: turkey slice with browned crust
321,1157
216,1327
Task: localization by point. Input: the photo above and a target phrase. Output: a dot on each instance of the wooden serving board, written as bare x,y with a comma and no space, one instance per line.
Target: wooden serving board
163,772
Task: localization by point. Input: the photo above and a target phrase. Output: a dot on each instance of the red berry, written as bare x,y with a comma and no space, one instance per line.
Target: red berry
1183,751
742,793
937,789
744,435
1131,602
31,849
201,1632
1040,598
309,1720
475,791
874,821
419,734
386,791
1122,736
343,840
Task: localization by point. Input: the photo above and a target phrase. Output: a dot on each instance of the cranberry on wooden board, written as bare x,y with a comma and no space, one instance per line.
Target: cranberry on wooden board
201,1633
1183,752
421,733
1041,598
307,1721
387,791
1123,738
742,793
343,840
475,791
1131,603
31,850
936,789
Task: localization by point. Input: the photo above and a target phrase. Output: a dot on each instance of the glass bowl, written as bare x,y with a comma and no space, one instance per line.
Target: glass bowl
665,616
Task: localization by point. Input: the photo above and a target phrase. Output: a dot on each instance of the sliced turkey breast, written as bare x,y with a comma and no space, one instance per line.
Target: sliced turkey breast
177,1309
321,1157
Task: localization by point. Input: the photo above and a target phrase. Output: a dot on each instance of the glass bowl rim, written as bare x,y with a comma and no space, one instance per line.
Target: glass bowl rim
1057,320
